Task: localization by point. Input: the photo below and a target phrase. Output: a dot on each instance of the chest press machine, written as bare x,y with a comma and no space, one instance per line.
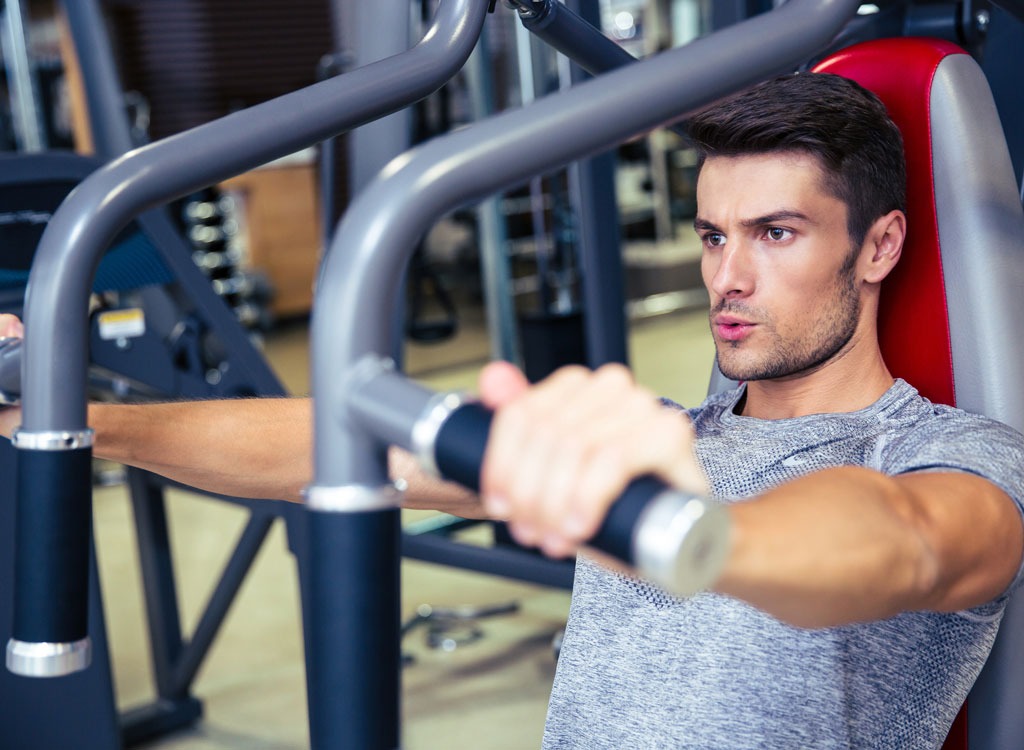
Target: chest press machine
370,93
352,515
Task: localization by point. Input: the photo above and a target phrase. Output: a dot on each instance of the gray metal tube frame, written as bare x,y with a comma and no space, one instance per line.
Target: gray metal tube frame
353,308
55,363
593,187
495,267
576,38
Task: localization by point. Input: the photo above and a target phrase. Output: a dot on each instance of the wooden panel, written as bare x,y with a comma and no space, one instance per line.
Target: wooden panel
281,219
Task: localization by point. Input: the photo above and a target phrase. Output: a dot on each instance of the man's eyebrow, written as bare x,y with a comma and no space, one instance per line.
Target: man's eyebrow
776,217
703,225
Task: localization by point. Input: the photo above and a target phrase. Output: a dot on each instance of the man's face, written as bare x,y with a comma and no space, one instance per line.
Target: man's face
777,264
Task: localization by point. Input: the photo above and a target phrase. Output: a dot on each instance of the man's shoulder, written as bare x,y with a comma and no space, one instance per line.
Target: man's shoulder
927,420
937,437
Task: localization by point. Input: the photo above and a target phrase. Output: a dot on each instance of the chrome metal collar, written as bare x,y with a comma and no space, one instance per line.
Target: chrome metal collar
57,440
352,498
48,659
428,425
681,542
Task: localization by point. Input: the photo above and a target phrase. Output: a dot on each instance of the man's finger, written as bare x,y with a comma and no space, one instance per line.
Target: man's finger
11,327
499,383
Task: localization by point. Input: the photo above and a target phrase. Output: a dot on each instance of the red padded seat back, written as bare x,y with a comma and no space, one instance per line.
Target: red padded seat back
913,322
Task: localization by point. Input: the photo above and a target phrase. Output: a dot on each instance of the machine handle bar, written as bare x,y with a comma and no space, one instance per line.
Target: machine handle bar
678,540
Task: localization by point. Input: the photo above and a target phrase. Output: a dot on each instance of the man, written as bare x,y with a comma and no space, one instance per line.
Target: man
875,536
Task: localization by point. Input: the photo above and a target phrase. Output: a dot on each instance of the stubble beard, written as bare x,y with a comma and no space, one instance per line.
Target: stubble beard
786,359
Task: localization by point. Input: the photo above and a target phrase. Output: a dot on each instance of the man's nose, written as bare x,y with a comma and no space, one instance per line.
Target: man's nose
733,273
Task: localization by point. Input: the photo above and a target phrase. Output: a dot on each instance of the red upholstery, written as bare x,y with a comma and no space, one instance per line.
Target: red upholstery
913,326
913,323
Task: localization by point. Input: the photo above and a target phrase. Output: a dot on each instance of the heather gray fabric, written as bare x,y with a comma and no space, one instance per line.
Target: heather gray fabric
640,669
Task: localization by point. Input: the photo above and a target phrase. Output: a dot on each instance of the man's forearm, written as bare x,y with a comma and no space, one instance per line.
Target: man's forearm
246,447
259,448
849,544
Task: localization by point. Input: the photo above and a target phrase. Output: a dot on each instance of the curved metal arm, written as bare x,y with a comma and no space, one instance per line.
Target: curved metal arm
566,32
353,521
54,444
352,314
55,364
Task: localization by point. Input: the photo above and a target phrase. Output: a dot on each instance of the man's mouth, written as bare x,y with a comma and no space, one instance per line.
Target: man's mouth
731,328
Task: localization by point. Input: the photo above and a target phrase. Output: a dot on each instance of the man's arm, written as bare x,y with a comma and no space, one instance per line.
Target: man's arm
259,447
850,544
838,546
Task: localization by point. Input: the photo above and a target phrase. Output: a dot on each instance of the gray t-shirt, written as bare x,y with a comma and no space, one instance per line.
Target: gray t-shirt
640,669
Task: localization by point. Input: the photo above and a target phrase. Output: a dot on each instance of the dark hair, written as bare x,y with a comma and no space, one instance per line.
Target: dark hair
841,123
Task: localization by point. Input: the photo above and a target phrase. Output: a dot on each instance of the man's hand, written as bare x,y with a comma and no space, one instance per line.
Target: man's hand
562,451
11,326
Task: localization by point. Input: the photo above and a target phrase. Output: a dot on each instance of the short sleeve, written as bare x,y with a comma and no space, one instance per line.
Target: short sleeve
954,440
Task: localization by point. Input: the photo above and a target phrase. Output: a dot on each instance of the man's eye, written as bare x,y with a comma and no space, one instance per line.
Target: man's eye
714,239
777,233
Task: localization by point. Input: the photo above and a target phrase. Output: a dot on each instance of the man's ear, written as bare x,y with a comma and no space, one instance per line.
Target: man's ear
883,244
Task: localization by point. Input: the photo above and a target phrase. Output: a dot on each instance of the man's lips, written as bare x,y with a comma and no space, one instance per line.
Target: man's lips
731,328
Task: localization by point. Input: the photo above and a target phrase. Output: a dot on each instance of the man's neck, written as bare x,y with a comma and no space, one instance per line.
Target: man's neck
848,383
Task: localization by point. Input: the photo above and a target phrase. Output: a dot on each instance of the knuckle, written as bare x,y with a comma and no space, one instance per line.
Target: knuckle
568,375
513,417
525,490
614,374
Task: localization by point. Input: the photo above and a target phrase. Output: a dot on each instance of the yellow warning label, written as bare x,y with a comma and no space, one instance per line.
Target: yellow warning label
121,324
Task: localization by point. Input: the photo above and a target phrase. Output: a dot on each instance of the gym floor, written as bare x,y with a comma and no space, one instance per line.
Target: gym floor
488,694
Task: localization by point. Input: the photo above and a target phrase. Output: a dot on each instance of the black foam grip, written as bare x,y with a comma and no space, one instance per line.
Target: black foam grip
461,441
51,559
459,453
